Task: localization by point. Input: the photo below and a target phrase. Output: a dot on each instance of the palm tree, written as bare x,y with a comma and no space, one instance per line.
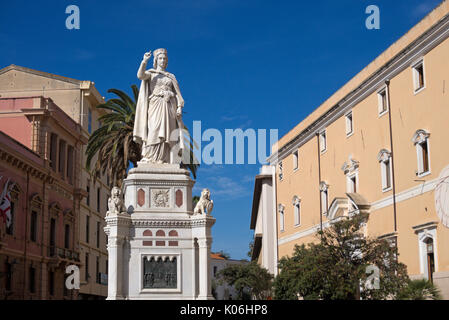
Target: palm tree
420,289
113,141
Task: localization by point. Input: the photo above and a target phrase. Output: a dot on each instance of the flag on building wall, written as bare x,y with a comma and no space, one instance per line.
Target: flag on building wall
5,205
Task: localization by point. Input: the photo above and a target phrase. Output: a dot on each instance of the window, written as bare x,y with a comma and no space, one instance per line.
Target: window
324,197
87,228
297,210
421,141
98,199
86,270
384,158
98,234
51,283
418,76
352,184
295,160
70,161
89,125
33,226
281,174
383,101
67,236
8,276
52,233
61,166
215,271
97,270
281,217
88,193
32,280
53,150
10,228
349,124
323,142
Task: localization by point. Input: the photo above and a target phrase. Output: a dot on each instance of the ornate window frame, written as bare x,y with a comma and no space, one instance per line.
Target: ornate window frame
281,211
420,138
383,157
351,169
324,197
296,202
424,232
36,205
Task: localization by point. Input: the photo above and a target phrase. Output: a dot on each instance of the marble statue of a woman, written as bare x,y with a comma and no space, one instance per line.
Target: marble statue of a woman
158,110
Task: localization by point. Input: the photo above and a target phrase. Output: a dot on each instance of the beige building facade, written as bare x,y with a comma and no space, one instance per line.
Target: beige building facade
78,100
379,144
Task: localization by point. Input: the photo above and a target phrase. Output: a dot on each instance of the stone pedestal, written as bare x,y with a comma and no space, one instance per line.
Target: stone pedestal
158,249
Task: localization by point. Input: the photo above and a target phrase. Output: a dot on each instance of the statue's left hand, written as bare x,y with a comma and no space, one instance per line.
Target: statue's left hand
179,112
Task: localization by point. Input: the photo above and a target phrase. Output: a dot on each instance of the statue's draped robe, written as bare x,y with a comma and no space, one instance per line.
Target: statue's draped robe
156,121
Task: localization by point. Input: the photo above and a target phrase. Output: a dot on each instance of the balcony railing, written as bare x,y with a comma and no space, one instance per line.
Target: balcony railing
62,253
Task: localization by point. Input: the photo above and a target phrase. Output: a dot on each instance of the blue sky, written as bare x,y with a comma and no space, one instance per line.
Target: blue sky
240,64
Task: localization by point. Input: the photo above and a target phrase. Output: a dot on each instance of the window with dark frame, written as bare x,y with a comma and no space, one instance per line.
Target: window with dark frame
53,151
8,276
33,226
419,71
98,199
88,193
97,269
32,280
67,236
87,228
86,270
62,158
51,283
98,234
10,229
70,161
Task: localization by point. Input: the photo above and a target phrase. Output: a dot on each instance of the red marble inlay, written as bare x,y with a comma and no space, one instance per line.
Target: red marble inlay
179,198
147,233
160,233
160,243
173,243
141,197
147,243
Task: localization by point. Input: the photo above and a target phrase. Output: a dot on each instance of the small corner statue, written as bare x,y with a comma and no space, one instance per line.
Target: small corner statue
205,204
115,202
158,123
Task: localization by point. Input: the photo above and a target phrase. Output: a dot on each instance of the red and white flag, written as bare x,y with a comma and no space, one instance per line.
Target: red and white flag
5,205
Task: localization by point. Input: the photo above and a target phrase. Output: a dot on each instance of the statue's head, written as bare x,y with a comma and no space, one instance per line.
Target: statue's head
205,193
160,58
116,192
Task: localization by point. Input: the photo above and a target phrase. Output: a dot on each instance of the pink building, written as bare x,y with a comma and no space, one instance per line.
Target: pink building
40,150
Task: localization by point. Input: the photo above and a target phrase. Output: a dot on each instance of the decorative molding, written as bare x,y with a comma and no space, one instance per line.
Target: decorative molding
420,136
383,155
350,166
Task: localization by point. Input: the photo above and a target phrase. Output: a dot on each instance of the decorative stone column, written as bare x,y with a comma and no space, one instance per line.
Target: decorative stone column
117,230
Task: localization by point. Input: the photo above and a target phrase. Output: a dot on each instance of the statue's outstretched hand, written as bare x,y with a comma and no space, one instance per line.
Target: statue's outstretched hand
147,56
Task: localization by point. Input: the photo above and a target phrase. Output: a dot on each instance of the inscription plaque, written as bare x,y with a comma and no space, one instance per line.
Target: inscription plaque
160,274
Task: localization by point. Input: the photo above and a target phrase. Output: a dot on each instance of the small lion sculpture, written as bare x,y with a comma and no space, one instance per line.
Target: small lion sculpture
204,205
115,202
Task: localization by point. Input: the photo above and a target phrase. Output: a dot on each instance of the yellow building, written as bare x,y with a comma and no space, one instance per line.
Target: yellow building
78,100
379,144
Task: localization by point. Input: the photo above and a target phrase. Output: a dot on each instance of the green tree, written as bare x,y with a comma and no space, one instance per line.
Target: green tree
113,141
248,279
336,267
421,289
